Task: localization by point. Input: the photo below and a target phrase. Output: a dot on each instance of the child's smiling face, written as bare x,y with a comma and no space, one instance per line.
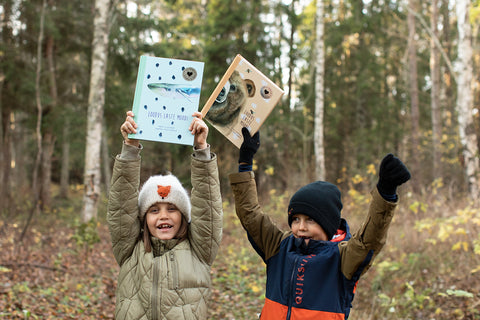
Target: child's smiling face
305,227
164,220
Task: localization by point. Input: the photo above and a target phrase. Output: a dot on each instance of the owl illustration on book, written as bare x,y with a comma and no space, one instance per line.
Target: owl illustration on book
230,100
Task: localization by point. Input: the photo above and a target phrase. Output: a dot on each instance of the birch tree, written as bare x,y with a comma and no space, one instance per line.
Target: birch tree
96,99
467,134
319,89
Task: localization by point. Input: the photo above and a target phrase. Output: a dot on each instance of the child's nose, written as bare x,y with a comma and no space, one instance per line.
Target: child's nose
163,213
303,225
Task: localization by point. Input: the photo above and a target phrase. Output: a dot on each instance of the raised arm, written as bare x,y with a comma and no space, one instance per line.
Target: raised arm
262,232
207,212
122,214
367,242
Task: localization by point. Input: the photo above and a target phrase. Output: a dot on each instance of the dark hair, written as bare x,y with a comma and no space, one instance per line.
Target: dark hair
181,235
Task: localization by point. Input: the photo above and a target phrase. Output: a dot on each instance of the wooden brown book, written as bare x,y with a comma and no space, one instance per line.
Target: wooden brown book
244,97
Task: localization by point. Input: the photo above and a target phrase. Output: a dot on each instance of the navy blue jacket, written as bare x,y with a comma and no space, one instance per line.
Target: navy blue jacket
316,281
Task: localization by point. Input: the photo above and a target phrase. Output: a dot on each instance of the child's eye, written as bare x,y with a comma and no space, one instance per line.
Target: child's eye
153,210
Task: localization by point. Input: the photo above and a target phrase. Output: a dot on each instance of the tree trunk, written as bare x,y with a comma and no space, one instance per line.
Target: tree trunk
107,170
468,137
96,100
64,174
435,93
291,66
48,136
5,115
35,178
319,97
414,100
48,140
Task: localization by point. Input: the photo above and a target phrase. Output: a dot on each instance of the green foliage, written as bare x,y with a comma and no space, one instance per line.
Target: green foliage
86,235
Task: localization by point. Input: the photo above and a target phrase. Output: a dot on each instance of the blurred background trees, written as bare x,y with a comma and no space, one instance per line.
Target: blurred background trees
397,77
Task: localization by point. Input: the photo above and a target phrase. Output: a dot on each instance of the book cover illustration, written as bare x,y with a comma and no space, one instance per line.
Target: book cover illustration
166,95
244,97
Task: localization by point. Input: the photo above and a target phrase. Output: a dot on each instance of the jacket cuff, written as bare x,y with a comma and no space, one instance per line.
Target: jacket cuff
130,152
241,177
202,154
390,205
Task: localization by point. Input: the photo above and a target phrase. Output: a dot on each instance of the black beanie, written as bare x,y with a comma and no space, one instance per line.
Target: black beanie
322,202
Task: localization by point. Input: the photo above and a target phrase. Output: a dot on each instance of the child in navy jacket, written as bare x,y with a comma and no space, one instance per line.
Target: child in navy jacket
313,268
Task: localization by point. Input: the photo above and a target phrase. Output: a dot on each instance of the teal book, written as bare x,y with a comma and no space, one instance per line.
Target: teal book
167,93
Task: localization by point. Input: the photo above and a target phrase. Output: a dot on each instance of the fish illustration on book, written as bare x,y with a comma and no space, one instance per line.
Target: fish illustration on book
175,91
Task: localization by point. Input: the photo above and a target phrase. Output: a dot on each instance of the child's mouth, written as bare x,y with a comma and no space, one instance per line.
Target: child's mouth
165,226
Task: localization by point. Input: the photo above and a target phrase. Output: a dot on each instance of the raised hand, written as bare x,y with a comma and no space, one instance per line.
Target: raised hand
249,146
200,129
392,174
129,126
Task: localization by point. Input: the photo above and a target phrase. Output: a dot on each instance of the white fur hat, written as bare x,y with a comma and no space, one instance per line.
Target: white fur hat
164,189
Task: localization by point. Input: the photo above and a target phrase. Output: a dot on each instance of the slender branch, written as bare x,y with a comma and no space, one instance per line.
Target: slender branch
33,265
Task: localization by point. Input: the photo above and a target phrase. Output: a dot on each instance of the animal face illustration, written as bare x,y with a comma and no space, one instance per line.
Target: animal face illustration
163,191
230,100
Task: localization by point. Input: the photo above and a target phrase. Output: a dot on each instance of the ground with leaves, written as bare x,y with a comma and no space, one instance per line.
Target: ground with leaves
429,268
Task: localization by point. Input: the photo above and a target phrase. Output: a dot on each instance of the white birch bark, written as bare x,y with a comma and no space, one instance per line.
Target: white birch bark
467,134
319,96
96,101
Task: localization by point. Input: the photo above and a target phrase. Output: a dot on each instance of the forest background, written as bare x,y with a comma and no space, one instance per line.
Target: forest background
362,78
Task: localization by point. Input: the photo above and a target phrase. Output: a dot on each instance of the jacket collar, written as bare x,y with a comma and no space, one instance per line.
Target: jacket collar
161,246
343,234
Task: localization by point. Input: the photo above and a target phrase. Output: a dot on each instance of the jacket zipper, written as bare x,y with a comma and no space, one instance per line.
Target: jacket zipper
155,303
173,266
290,291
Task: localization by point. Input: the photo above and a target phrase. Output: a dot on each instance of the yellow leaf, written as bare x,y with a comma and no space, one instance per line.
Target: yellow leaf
460,245
255,288
475,270
371,169
444,232
357,179
4,270
456,246
270,171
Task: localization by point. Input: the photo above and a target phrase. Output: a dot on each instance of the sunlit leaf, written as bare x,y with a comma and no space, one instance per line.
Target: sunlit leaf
460,293
371,169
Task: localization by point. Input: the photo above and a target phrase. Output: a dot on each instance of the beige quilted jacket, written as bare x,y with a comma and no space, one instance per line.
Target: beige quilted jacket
174,283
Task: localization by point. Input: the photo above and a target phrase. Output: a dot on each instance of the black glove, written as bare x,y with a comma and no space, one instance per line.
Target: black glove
249,146
392,174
